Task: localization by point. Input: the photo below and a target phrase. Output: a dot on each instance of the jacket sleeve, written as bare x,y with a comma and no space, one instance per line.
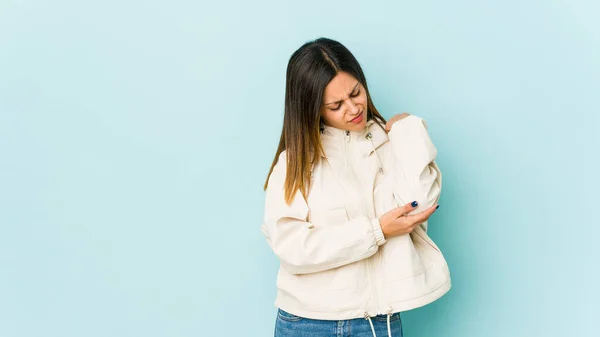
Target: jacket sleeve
303,247
416,174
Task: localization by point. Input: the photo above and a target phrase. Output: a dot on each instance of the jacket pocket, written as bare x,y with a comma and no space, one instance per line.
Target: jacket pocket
403,258
339,278
422,235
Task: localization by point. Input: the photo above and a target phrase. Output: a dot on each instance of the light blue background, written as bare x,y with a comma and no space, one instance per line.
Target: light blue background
135,137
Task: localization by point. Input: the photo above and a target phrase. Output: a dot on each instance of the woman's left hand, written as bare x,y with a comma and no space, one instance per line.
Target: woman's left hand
388,125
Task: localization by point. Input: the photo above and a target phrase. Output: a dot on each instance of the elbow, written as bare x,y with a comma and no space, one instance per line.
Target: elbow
293,269
293,263
430,185
294,266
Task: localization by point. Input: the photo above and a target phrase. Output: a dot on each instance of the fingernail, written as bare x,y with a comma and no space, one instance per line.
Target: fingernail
414,204
438,206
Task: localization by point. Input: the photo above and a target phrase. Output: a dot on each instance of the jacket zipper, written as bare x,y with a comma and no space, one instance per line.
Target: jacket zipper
355,185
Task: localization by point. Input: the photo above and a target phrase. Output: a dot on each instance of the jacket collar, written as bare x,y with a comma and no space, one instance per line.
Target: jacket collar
371,132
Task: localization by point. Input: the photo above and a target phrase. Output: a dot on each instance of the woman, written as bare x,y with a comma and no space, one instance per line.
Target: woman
348,197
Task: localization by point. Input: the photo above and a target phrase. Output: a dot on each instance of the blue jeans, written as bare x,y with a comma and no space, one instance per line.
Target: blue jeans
289,325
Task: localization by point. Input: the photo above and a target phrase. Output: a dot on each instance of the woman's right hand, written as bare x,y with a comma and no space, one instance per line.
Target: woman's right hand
397,221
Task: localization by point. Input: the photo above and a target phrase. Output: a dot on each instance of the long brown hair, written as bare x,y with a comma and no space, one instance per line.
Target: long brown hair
309,70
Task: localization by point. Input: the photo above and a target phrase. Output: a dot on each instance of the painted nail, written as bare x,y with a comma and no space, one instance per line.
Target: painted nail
414,204
438,206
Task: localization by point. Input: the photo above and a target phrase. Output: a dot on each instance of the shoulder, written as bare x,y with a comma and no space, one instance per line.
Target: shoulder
281,161
279,169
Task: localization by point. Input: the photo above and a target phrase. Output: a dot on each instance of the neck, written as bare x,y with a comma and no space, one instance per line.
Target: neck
334,131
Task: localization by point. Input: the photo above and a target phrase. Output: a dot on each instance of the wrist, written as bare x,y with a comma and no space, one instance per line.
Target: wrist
378,233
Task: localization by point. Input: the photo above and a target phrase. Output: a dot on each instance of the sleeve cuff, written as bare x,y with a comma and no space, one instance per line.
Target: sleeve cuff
377,232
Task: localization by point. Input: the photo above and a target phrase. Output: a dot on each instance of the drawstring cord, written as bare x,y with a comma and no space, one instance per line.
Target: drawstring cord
389,327
389,315
372,328
370,137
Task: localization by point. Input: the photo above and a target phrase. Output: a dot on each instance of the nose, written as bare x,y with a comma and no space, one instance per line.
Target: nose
352,107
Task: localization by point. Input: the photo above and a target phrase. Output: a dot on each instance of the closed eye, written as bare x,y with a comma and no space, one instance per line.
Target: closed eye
351,95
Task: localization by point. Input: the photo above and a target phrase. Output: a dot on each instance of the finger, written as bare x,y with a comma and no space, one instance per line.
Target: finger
405,209
423,216
388,125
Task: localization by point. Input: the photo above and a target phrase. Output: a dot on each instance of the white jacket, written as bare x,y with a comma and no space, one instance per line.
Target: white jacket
335,262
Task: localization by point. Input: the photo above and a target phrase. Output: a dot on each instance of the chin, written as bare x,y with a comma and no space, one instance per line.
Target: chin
358,127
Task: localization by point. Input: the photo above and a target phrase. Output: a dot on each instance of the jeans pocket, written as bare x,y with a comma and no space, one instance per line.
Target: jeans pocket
286,316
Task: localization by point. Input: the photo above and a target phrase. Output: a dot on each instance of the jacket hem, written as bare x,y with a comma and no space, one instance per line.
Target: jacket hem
360,313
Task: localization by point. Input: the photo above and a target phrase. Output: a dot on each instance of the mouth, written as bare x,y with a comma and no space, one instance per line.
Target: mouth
357,119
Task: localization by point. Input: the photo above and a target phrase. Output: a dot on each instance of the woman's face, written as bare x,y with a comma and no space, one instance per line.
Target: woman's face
344,103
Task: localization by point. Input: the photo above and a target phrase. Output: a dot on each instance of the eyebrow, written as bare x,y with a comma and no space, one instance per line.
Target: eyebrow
341,100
